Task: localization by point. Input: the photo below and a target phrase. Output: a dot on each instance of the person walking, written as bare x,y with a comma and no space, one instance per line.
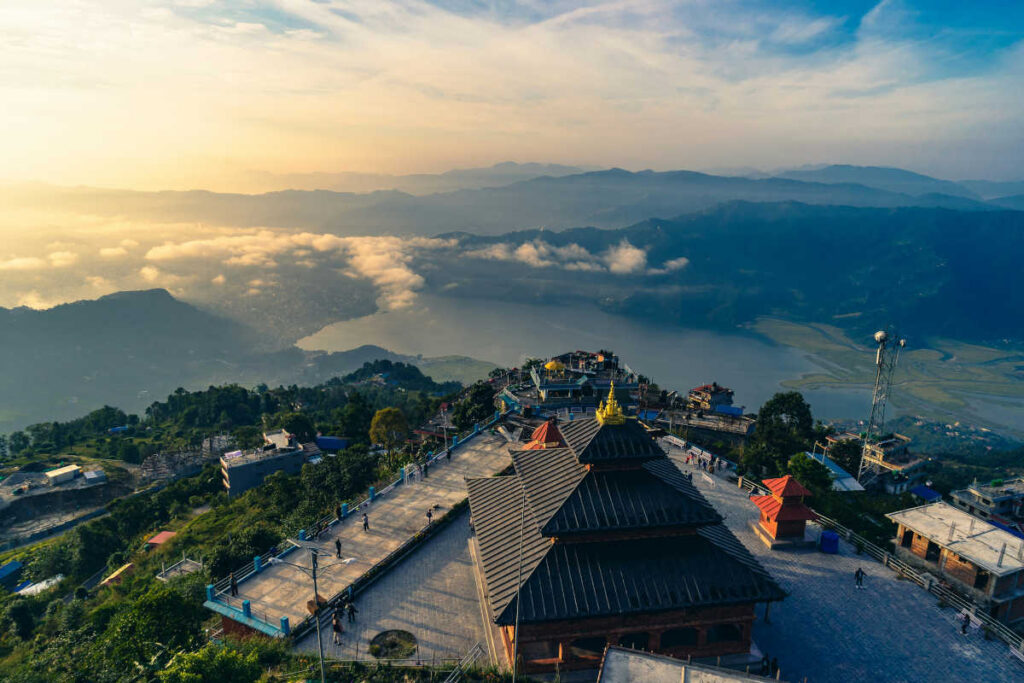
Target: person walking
965,621
337,547
234,586
430,516
859,576
337,628
350,610
366,522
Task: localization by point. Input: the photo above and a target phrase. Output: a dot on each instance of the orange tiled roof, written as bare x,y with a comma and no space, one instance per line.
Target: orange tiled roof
786,486
773,509
545,436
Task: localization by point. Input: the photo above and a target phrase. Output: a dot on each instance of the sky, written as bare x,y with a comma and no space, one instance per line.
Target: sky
176,94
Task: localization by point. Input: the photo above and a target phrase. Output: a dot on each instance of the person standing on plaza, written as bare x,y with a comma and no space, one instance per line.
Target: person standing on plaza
337,628
430,516
350,610
965,621
337,512
234,586
859,576
366,522
337,547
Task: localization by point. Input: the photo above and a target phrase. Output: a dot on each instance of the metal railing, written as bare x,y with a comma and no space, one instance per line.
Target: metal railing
222,587
466,662
920,577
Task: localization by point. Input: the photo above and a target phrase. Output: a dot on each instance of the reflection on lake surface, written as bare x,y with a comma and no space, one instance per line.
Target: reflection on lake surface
677,358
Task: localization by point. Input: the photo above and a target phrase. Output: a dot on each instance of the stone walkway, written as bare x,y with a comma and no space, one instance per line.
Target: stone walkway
827,630
280,590
431,594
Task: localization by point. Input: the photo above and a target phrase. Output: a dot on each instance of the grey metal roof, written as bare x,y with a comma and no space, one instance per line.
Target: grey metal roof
653,496
583,580
549,476
496,505
593,442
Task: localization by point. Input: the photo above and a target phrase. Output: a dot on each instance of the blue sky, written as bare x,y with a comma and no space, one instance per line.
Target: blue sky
184,93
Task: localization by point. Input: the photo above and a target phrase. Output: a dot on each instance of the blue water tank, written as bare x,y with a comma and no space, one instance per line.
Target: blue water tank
829,542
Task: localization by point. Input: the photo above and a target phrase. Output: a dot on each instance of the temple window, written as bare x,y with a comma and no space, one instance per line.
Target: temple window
724,633
678,637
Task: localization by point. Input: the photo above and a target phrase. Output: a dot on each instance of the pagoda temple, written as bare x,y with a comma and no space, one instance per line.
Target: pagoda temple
783,514
603,541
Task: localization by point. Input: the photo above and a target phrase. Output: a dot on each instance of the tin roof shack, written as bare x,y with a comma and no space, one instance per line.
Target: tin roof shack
242,471
979,559
605,542
1001,500
709,397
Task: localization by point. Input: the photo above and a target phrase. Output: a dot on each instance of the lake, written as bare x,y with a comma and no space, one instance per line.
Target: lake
675,357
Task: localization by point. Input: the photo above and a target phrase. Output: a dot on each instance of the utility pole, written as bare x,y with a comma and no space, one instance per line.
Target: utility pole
316,607
314,552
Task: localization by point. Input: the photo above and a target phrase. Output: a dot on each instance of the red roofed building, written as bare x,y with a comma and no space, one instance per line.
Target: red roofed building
783,514
545,436
161,538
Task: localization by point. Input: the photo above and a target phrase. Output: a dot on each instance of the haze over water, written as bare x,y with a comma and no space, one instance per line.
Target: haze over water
507,334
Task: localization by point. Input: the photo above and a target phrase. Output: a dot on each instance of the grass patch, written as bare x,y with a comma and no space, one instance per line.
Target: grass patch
395,644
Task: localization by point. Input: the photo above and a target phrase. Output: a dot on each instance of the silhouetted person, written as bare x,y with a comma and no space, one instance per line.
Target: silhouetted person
337,512
234,586
337,628
430,516
859,576
337,547
350,610
366,522
964,623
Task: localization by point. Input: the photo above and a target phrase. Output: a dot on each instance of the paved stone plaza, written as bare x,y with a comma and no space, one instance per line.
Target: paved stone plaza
827,630
280,590
431,594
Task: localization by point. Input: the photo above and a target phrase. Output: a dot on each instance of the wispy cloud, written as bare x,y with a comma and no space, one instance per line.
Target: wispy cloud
400,85
620,259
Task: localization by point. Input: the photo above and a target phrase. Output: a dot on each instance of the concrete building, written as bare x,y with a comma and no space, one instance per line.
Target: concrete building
63,474
981,560
242,471
709,397
999,499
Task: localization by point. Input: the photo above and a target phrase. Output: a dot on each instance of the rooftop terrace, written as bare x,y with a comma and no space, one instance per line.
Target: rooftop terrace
991,548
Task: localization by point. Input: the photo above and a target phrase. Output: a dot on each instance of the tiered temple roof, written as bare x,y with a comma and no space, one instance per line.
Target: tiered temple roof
607,525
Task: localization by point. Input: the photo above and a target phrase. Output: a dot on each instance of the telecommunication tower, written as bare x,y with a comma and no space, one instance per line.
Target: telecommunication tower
886,357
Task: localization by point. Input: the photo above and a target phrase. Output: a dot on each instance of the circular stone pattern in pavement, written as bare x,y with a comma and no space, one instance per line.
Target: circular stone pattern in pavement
394,644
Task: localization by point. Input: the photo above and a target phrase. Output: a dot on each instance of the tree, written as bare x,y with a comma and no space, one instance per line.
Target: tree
212,664
784,427
299,425
846,454
19,618
477,405
389,429
811,474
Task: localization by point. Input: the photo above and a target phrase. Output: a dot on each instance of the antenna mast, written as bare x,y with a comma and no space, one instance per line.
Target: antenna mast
886,357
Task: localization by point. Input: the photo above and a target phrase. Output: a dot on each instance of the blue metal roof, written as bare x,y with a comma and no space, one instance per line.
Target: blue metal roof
925,493
1008,529
729,410
332,443
648,414
10,568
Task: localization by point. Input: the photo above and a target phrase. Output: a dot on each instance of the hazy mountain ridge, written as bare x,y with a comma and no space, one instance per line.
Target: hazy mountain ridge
606,199
131,348
503,173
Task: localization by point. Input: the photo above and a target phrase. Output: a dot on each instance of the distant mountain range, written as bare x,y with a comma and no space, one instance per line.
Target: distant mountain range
132,348
504,173
936,272
605,199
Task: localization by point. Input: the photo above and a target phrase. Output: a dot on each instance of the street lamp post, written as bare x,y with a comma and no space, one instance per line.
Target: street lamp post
314,554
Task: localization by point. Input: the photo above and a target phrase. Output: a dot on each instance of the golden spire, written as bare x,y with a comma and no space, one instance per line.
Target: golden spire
610,413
